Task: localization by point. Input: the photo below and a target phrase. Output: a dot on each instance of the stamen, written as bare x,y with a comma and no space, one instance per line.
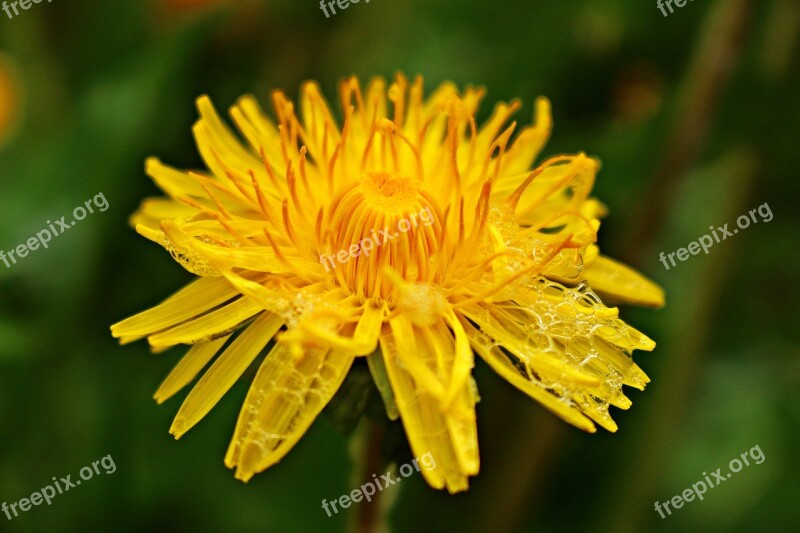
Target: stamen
204,183
473,140
345,135
397,94
262,202
420,167
235,180
497,288
318,228
288,225
229,228
368,146
453,149
284,142
332,164
389,129
502,143
268,168
303,175
292,182
191,203
277,249
533,229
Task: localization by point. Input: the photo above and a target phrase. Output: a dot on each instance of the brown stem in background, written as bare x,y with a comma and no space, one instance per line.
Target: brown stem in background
369,515
780,39
723,39
527,462
645,457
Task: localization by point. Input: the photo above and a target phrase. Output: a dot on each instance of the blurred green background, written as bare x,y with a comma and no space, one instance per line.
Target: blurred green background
695,117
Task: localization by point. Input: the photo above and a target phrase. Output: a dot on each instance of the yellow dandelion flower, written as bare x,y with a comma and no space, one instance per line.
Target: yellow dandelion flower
408,236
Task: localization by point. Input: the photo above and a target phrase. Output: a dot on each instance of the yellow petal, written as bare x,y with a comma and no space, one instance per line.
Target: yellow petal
269,299
153,210
189,366
284,399
500,363
221,150
530,141
173,182
403,342
427,425
224,372
572,331
560,187
461,365
619,281
317,119
458,407
364,340
257,128
219,321
191,301
515,340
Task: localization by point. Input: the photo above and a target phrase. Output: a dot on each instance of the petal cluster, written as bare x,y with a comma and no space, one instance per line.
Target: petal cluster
505,266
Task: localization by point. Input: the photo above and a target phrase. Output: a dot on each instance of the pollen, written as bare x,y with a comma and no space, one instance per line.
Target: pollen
390,193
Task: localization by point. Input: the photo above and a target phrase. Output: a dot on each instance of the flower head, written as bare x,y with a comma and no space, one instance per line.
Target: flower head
409,236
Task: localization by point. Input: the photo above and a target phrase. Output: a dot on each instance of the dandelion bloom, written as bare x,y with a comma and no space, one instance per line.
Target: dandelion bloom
277,229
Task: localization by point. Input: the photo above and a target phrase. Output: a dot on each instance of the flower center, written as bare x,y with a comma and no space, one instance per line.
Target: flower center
380,226
390,193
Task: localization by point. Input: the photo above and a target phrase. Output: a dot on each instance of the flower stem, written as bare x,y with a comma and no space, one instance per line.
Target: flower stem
723,39
370,517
